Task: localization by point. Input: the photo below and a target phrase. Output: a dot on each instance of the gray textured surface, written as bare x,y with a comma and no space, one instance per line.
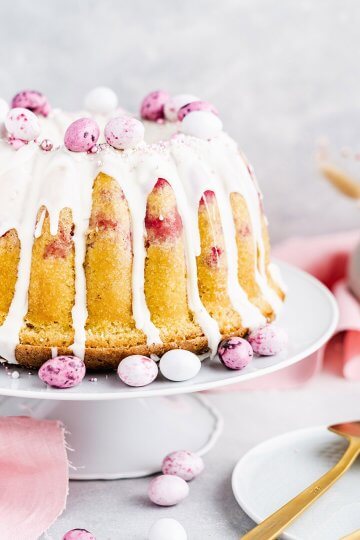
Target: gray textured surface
119,510
282,74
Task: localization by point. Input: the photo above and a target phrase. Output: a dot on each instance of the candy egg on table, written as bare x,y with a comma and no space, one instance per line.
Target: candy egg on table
167,490
62,371
81,135
268,340
78,534
33,100
183,463
174,104
137,370
123,132
167,529
235,353
152,106
179,365
22,124
101,100
201,124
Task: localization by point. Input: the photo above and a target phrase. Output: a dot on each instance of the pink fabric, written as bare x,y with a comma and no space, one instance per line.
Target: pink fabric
326,258
33,476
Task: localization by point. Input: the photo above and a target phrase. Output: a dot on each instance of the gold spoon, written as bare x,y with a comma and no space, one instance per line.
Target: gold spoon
279,520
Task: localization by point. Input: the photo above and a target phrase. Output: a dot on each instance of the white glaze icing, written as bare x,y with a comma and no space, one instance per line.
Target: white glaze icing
31,178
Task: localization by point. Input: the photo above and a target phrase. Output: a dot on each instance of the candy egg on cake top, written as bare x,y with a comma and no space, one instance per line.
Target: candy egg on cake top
101,100
33,100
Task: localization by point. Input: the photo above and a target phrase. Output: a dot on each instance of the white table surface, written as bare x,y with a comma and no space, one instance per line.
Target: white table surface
120,510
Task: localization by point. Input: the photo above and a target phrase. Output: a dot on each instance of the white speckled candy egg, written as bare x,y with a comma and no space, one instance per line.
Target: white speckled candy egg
167,490
137,370
179,365
101,100
201,124
123,132
175,103
167,529
184,464
268,340
22,124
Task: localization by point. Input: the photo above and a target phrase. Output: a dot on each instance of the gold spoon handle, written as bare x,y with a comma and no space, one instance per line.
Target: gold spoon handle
276,523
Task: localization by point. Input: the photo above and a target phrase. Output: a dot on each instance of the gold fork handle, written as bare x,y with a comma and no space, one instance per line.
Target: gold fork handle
276,523
353,536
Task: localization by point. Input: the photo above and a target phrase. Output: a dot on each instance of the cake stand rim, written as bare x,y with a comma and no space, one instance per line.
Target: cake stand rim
191,386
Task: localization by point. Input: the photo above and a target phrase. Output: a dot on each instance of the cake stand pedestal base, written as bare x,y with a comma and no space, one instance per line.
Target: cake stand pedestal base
126,438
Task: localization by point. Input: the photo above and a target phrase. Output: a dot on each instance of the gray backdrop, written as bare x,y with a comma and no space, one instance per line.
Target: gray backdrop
283,73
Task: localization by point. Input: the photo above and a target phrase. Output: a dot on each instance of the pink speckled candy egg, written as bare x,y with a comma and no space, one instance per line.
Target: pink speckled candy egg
152,106
32,100
268,340
78,534
63,371
123,132
167,490
82,135
235,353
184,464
172,107
22,124
196,106
137,370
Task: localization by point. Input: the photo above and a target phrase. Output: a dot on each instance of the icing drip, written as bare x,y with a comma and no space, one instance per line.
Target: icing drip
18,178
201,172
135,179
31,179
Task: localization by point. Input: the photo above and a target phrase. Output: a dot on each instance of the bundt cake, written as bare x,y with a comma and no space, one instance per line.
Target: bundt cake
133,246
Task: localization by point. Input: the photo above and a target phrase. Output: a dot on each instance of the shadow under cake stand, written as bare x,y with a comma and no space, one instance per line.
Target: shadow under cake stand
122,432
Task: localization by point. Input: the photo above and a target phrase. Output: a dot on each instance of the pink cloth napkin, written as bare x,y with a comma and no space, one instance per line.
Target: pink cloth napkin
33,476
325,257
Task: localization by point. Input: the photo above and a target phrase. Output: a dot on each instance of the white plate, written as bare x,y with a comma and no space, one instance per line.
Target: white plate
308,302
275,471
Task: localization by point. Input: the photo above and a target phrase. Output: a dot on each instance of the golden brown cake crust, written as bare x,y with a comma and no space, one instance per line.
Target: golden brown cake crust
103,358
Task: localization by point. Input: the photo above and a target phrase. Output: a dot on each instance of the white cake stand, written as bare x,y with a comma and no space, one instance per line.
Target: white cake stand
116,433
